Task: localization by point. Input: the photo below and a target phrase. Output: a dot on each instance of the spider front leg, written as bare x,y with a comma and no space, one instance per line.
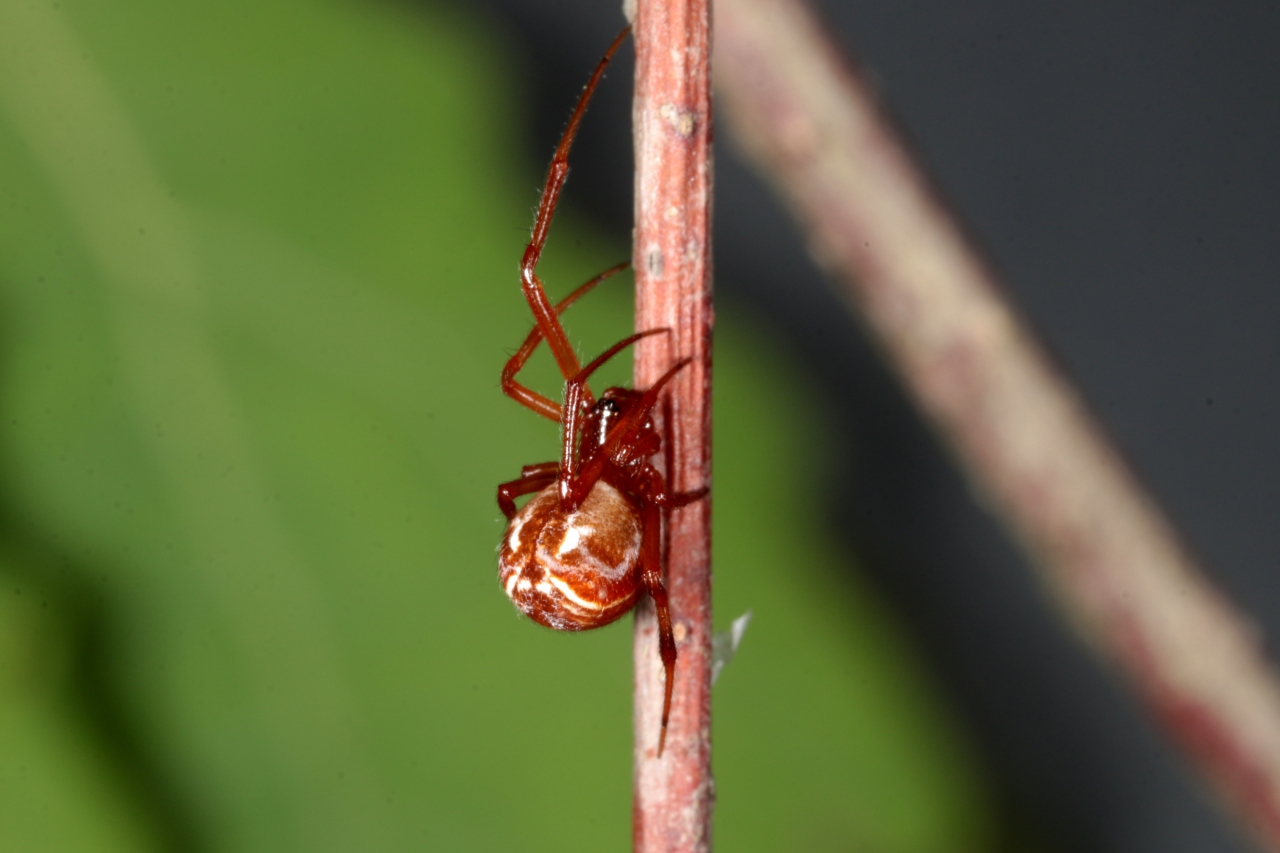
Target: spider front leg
543,313
526,396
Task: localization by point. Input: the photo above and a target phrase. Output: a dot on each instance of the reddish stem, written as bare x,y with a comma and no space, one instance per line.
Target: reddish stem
1119,571
672,258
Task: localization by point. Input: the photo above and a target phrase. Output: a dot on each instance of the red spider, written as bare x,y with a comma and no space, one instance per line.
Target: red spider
578,553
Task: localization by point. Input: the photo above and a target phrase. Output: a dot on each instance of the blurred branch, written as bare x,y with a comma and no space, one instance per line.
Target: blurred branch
672,259
811,124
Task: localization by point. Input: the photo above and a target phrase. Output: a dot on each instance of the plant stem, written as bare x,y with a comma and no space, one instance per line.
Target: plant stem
672,257
1119,571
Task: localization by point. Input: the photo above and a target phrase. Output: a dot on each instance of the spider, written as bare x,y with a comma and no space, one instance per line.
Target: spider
577,555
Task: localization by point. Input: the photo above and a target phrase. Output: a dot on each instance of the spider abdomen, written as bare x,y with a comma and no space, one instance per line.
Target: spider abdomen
573,571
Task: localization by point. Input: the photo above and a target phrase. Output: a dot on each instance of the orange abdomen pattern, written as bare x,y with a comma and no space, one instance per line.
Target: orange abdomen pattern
573,571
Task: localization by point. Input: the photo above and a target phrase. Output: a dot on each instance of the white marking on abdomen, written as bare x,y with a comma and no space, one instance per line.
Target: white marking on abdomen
568,593
573,538
513,537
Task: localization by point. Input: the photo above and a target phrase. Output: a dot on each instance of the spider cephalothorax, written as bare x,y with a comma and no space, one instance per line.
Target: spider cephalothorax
578,554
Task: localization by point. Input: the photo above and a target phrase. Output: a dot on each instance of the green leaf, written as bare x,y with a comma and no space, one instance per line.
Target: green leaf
257,282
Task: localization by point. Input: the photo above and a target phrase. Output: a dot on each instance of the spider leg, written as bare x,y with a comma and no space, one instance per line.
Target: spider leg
651,578
530,284
643,407
524,395
656,490
539,469
530,481
625,429
576,485
576,398
675,500
598,361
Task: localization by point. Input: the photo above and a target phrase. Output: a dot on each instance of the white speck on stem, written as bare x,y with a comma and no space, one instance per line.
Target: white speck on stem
724,645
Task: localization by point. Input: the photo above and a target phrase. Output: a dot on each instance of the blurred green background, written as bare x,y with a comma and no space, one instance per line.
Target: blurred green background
257,281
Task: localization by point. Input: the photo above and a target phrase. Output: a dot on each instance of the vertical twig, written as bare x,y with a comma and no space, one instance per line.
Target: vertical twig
1118,569
672,120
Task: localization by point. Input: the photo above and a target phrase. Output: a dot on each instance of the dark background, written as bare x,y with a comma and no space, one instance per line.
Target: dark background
1117,164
